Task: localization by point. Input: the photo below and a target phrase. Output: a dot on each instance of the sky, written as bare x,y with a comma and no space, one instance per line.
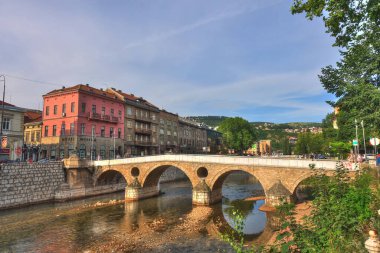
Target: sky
246,58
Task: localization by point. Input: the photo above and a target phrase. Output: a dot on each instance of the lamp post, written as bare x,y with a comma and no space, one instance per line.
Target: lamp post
365,149
357,147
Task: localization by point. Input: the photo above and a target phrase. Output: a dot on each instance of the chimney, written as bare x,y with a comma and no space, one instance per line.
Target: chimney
63,87
87,84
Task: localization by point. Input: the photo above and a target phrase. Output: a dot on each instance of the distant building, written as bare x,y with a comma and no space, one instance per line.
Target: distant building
192,137
214,141
140,125
265,147
168,132
83,120
32,135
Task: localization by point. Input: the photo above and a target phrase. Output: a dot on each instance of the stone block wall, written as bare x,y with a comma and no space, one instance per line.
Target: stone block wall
172,174
23,183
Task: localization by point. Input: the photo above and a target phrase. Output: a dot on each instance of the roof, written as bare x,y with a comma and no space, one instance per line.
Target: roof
5,103
86,88
133,98
32,116
278,189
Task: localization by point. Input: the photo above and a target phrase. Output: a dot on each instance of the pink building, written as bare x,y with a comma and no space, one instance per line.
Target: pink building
84,120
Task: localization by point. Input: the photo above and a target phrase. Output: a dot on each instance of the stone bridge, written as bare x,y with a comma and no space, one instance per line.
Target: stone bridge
205,172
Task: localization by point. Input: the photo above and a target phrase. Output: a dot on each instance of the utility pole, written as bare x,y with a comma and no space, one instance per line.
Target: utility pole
114,151
365,148
92,141
2,108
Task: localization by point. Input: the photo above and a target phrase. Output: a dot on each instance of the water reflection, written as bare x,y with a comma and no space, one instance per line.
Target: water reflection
73,227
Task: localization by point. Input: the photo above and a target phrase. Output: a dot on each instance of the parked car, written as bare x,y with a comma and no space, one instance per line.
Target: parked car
320,156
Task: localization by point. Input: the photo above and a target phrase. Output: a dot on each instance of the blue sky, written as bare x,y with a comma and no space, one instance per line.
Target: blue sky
233,58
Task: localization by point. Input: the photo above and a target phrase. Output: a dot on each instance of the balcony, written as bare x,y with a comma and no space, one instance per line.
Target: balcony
143,118
143,131
143,143
102,117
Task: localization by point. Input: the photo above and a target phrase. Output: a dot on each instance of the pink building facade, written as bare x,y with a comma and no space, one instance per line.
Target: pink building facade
83,120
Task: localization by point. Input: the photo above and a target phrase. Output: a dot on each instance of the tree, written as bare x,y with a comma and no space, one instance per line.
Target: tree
355,80
310,143
237,133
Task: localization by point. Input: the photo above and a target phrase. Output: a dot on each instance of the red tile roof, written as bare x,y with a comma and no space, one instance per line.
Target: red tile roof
5,103
32,116
85,88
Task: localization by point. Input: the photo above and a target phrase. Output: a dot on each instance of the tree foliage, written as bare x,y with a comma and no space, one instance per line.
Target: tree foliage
237,133
341,212
308,143
355,80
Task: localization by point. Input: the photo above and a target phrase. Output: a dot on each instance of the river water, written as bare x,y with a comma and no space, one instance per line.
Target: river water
168,223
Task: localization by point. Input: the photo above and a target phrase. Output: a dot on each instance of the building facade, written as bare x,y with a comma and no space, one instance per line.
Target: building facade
192,137
12,131
140,125
214,141
83,120
32,135
168,132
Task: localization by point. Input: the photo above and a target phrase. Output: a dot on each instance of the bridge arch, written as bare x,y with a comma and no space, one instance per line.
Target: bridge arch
217,180
111,176
216,183
153,174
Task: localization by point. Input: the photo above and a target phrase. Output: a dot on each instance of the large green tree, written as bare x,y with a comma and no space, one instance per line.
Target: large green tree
237,133
355,80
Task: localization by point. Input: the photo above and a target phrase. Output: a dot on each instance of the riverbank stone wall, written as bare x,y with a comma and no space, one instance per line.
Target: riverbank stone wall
23,184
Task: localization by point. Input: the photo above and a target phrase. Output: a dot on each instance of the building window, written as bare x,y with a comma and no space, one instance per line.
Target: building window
175,133
83,107
119,133
129,124
61,151
93,109
55,109
162,121
47,109
72,128
168,133
112,112
136,112
102,152
103,111
129,110
111,132
154,128
154,139
153,116
63,129
54,130
82,128
82,151
161,131
93,133
72,106
37,136
27,136
46,131
6,123
129,137
102,131
64,108
119,113
70,149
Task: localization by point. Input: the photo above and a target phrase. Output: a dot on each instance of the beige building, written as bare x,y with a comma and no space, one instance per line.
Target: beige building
32,135
168,132
192,137
13,131
140,125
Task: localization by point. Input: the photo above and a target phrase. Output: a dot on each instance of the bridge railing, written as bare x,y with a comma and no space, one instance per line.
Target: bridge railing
220,159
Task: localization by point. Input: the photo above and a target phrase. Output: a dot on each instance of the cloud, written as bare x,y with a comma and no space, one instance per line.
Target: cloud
197,24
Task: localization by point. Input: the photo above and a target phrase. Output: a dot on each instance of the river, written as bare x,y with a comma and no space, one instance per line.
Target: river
168,223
